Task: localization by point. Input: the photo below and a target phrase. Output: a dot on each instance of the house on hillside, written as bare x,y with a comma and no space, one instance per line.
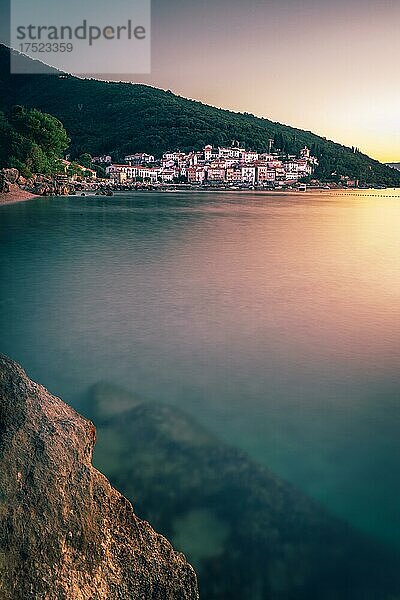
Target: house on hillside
84,171
140,158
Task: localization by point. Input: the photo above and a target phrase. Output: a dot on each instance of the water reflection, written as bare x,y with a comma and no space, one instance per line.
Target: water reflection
274,320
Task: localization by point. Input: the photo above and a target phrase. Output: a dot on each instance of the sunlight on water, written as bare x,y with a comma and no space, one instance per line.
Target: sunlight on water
274,319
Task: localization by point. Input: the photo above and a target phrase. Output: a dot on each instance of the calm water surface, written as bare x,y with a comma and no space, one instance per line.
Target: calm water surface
273,319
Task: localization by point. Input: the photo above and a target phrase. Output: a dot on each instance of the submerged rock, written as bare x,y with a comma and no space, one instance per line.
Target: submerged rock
250,535
65,533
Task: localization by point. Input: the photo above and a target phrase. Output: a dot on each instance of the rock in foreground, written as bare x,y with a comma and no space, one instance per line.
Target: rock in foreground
65,533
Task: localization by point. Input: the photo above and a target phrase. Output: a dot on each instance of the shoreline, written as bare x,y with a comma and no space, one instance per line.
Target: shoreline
309,191
16,195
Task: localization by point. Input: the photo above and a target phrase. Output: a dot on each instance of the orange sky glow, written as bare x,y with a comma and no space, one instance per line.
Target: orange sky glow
328,67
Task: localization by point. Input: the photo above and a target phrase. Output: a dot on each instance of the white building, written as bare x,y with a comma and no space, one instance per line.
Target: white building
265,175
248,156
216,173
233,152
210,153
305,152
248,174
207,152
266,157
139,158
169,175
148,173
292,176
121,172
105,159
174,158
196,174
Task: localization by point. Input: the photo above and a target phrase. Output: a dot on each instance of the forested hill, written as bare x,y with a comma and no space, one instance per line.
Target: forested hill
118,118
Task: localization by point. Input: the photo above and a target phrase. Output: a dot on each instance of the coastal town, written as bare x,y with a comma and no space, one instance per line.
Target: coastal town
222,168
233,166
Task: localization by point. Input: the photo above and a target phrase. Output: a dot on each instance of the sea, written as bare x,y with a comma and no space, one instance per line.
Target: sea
272,318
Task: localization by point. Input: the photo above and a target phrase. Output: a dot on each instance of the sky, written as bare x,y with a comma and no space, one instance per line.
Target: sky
326,66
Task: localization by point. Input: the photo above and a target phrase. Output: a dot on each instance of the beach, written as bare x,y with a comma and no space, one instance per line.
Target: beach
15,195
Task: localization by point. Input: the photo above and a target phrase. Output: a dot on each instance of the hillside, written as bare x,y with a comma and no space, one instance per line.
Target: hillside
117,118
64,531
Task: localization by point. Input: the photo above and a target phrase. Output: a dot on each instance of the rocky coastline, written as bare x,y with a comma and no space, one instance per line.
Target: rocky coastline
15,188
64,531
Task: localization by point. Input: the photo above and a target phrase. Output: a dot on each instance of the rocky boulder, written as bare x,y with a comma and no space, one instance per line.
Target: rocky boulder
11,175
65,533
8,178
4,184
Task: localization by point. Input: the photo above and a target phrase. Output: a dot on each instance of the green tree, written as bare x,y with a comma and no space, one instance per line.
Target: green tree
74,169
32,141
85,160
6,135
